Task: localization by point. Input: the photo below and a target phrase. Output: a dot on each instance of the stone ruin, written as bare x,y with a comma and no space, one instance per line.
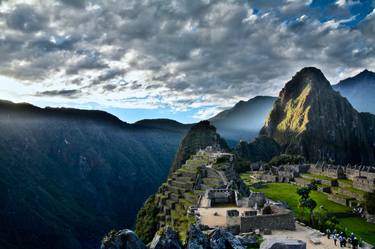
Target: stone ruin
220,196
257,200
363,177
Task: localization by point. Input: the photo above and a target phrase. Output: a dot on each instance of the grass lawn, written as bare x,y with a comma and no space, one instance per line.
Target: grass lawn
287,193
365,230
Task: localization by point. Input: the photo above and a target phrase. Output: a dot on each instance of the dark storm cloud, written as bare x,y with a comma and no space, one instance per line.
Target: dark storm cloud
74,3
193,49
71,93
26,19
87,62
108,75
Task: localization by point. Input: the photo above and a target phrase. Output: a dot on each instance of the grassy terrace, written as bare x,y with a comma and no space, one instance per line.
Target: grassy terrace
287,193
318,177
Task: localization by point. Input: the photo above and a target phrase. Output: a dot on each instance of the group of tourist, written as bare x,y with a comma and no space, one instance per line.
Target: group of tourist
342,240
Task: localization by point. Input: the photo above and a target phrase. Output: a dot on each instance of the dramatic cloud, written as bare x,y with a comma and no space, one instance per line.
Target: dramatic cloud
179,54
62,93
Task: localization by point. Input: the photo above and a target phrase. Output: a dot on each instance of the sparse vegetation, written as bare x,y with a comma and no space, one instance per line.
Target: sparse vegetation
146,225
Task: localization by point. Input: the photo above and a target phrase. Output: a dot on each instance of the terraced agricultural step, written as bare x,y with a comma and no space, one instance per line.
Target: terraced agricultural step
174,197
182,178
184,185
190,197
178,190
187,173
340,199
306,176
350,192
302,181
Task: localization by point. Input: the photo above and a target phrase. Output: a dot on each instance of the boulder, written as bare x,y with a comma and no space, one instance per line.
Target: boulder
197,239
220,239
283,244
123,239
167,240
248,240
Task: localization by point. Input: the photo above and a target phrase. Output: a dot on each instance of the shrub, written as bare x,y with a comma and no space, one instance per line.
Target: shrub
286,159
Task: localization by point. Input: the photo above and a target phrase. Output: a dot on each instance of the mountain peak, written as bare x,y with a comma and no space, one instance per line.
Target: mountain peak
366,73
307,77
311,119
311,75
199,137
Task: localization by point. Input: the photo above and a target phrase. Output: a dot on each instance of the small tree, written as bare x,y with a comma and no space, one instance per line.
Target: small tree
304,192
286,159
306,202
311,205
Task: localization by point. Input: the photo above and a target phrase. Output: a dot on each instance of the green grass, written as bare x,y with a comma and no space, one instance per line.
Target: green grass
347,181
287,193
364,230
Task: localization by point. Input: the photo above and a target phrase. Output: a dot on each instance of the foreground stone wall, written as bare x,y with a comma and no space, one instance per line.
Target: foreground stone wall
282,220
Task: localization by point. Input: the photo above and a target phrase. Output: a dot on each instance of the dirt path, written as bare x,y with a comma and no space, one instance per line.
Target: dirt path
305,234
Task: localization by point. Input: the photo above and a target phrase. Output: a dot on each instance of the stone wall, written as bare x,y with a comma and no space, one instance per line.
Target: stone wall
364,183
281,220
339,200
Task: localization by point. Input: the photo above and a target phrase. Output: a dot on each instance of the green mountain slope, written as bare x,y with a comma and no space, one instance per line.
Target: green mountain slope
68,176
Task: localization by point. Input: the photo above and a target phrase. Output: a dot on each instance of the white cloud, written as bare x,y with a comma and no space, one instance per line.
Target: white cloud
181,54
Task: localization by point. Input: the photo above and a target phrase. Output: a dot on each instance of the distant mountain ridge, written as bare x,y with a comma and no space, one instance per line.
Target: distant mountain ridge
359,90
243,120
311,119
68,176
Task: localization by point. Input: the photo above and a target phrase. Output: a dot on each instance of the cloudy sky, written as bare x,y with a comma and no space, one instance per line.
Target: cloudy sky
180,59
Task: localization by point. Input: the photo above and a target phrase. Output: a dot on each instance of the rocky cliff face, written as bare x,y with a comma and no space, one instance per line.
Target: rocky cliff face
311,119
199,137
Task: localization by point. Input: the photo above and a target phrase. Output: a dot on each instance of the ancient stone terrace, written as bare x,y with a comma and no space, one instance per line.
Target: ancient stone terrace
184,187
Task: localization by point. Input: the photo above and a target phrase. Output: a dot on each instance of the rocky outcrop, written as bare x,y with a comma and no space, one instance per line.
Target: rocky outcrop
167,240
199,137
123,239
220,238
197,239
311,119
283,244
262,148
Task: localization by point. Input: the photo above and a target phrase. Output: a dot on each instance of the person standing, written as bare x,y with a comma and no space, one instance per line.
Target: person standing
334,236
355,243
328,232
